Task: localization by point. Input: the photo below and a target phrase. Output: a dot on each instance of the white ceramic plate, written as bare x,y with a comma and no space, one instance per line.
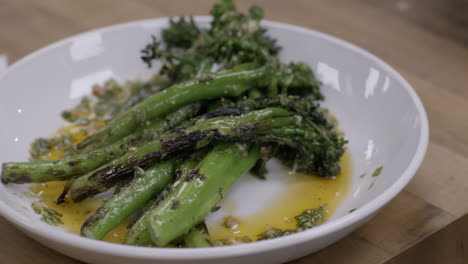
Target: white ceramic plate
378,110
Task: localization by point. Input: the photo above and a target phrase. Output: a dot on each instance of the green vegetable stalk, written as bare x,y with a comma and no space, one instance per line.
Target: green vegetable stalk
194,196
194,137
214,86
138,233
201,191
198,237
145,185
66,168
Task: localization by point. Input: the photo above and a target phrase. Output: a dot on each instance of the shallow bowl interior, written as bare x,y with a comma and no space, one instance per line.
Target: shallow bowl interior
378,111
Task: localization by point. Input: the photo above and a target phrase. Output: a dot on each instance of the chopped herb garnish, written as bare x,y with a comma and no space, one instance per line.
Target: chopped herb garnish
310,218
307,219
48,215
273,232
245,239
91,114
377,171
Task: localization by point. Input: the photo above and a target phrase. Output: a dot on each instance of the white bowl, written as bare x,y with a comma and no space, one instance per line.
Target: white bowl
378,110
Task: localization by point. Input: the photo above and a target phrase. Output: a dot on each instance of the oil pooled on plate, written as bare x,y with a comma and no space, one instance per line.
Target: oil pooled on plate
74,214
300,192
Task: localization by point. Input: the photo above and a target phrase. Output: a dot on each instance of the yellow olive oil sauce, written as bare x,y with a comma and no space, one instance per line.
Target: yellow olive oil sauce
73,214
303,192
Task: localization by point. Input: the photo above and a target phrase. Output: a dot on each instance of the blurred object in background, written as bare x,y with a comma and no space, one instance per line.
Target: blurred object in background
446,18
403,5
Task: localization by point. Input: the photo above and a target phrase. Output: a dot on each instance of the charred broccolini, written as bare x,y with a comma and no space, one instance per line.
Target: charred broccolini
220,105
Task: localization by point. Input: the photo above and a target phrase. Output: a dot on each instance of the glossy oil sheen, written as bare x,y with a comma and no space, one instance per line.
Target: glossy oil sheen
74,214
301,192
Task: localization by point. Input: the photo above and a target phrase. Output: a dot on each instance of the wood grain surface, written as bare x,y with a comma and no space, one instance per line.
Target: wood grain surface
425,40
448,245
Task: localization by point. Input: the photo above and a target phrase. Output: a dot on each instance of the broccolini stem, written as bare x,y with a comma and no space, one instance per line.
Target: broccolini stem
216,85
130,198
66,168
201,191
198,236
197,136
138,234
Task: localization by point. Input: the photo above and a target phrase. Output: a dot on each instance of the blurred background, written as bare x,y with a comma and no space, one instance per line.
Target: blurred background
425,40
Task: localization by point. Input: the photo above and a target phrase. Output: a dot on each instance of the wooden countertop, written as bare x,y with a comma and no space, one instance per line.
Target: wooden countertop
425,40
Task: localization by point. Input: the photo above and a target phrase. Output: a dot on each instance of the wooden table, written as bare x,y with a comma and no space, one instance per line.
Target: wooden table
425,40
